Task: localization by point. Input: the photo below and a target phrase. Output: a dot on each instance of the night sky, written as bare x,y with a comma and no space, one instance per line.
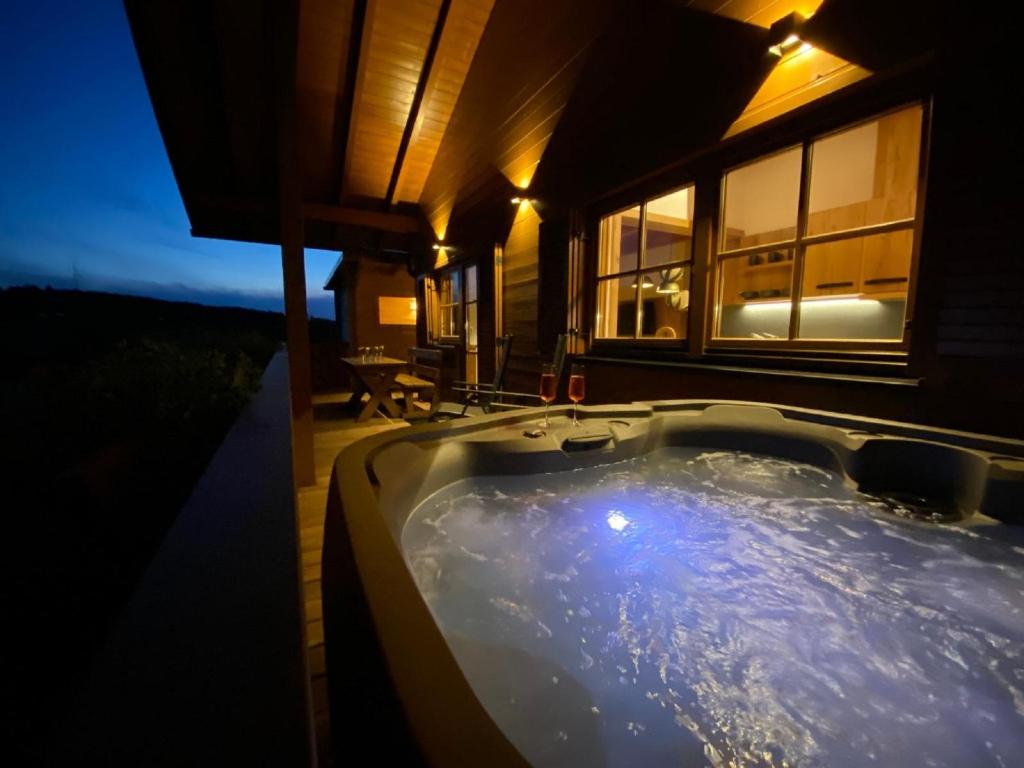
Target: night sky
87,197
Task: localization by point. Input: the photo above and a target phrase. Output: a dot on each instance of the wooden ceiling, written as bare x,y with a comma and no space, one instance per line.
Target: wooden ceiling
396,38
420,128
321,73
373,133
763,13
406,109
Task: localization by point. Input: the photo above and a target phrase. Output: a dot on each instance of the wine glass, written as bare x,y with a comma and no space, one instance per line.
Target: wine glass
362,354
548,387
576,389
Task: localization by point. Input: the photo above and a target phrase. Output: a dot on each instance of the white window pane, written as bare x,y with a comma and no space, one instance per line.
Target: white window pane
866,174
616,307
619,242
665,302
669,228
761,201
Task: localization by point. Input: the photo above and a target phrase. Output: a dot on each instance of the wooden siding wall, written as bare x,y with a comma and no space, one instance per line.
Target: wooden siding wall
520,299
374,279
553,282
486,328
973,214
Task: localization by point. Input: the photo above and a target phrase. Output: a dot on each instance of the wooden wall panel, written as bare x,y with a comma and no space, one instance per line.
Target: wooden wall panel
796,80
970,250
372,280
520,297
622,382
553,275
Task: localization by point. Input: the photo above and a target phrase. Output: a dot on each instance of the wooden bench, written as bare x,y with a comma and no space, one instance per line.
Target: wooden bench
422,376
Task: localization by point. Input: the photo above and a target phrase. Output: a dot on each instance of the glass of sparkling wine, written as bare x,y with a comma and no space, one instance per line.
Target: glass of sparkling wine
576,390
548,385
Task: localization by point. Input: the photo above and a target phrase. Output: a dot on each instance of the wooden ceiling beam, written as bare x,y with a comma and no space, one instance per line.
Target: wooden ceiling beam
263,209
417,102
383,222
345,105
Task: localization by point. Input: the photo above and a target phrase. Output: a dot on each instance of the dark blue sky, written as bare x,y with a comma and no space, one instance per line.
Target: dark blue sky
87,197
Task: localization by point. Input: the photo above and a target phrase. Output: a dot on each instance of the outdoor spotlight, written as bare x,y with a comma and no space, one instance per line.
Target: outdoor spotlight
437,246
784,35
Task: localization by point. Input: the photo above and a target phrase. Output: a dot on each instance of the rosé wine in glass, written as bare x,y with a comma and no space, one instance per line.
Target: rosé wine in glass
548,389
577,390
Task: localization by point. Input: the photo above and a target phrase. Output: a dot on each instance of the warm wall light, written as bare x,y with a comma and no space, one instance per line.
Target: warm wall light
786,46
784,35
437,246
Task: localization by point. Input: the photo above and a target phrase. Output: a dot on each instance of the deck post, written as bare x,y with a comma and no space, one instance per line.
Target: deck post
299,365
292,235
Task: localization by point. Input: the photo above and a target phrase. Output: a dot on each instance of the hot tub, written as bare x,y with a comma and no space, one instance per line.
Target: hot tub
678,583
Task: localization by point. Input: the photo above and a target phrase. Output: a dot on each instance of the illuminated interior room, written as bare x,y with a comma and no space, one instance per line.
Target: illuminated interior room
682,346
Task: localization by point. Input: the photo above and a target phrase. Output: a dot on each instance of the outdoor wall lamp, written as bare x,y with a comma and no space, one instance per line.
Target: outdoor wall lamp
784,35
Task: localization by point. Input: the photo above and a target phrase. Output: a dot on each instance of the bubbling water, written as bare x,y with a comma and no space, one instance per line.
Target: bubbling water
696,607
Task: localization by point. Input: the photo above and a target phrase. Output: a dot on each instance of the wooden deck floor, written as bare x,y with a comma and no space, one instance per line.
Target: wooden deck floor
332,432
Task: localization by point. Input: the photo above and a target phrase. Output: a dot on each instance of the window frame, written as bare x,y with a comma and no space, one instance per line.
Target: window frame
638,272
801,241
434,293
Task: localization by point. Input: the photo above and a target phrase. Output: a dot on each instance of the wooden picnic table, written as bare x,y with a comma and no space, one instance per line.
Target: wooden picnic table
375,377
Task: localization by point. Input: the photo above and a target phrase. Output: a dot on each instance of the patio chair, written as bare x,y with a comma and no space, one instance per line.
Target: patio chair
511,400
482,395
422,376
504,400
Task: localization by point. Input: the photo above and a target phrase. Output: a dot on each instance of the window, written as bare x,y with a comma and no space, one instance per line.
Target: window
396,310
444,306
644,264
831,263
448,301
